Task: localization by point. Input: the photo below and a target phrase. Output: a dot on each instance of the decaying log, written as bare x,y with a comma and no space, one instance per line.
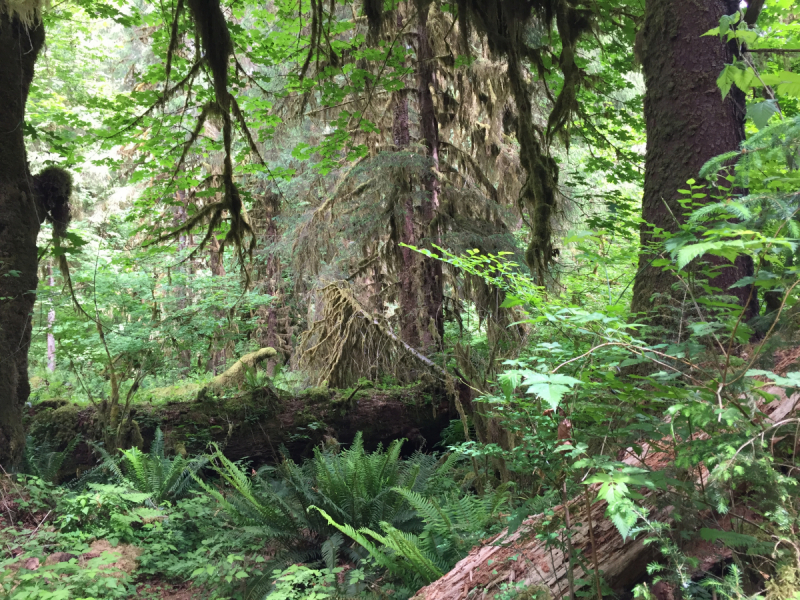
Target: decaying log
521,558
528,562
258,423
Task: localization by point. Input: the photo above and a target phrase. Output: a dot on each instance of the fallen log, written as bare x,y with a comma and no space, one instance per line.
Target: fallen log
263,423
526,561
529,562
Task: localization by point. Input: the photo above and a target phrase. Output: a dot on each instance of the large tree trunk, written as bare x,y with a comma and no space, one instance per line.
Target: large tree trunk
51,323
180,216
20,219
688,123
217,359
275,328
407,234
527,560
432,288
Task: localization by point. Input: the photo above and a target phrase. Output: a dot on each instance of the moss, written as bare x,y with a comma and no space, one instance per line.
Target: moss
520,591
785,583
59,422
317,395
182,392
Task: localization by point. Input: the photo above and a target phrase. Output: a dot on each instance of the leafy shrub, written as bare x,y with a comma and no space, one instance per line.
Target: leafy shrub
104,511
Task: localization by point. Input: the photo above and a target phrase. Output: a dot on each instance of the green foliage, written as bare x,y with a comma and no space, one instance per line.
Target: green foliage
397,551
42,460
163,478
298,582
580,391
354,485
64,581
104,511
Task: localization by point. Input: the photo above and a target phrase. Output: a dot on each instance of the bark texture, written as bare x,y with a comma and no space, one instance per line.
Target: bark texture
21,215
432,288
406,229
687,123
421,292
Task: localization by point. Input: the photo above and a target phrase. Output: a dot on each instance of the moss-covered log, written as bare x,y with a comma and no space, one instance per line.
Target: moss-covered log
259,423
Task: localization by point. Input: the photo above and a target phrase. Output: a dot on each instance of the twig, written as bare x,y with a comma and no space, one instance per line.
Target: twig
40,524
594,544
776,50
567,522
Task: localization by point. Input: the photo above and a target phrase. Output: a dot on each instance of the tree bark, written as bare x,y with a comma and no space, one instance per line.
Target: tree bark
527,560
21,215
406,228
432,288
275,329
218,357
183,292
51,322
687,123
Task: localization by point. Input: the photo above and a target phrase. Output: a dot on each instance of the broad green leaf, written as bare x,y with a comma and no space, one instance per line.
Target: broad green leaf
761,112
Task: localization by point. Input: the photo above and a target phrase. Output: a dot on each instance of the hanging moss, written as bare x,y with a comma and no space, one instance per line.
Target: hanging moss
503,23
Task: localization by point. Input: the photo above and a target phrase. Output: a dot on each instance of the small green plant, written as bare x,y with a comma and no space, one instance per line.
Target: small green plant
104,511
401,553
298,582
64,581
44,461
163,478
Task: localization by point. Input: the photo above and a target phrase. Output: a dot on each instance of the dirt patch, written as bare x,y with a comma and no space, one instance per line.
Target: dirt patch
120,559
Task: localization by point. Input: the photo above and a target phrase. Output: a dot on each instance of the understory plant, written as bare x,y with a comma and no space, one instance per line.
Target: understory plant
354,485
161,476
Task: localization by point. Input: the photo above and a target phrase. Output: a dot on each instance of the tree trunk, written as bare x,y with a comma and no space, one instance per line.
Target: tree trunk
51,322
432,288
687,123
217,360
407,230
275,328
20,219
183,292
257,423
532,561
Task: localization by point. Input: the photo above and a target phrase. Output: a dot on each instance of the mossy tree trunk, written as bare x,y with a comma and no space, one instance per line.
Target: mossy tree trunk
687,123
20,218
406,229
420,291
432,330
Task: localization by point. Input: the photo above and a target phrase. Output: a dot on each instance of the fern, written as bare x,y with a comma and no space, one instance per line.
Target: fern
164,478
398,552
43,461
352,486
451,527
